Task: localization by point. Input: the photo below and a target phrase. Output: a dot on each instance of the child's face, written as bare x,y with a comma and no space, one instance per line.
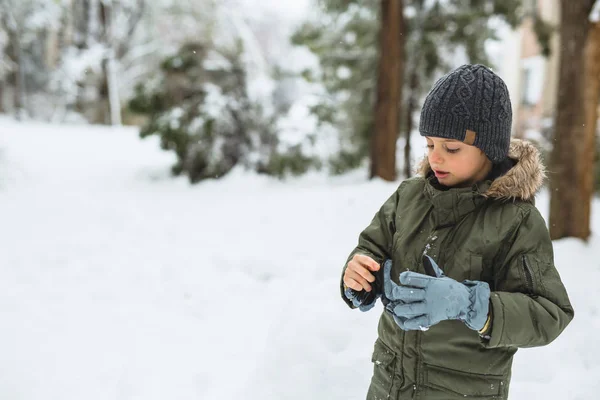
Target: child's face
455,163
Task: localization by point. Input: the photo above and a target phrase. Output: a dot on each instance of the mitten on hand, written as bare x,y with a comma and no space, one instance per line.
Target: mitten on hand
425,300
395,295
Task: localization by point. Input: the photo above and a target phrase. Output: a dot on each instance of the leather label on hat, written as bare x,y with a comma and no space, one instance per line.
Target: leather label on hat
470,137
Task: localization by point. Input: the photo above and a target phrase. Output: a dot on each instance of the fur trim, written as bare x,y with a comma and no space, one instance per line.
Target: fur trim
522,181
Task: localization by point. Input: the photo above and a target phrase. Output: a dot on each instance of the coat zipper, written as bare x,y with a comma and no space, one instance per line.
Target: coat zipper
528,274
415,393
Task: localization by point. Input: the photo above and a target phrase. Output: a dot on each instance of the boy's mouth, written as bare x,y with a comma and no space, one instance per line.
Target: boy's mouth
440,174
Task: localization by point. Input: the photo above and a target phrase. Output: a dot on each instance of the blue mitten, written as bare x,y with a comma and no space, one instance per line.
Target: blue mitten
363,303
427,300
395,295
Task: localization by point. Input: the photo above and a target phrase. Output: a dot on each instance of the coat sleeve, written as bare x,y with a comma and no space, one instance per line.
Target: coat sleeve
375,240
530,306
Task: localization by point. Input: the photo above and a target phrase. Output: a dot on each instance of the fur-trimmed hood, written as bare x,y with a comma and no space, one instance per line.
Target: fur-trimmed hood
522,181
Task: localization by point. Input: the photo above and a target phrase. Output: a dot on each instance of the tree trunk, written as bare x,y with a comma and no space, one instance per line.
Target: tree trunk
65,29
2,83
412,104
93,21
109,90
80,23
570,195
113,89
138,12
19,94
389,86
592,95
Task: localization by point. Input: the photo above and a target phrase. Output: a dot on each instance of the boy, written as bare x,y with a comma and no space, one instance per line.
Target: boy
469,272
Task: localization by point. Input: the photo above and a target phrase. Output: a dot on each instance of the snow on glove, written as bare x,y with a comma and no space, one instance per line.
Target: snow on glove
427,300
364,300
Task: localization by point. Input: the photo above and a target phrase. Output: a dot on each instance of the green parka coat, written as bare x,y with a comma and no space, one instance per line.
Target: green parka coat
490,232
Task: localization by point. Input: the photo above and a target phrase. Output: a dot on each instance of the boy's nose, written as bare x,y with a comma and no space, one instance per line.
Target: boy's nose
435,157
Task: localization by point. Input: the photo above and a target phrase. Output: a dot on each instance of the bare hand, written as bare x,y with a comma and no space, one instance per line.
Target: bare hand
358,272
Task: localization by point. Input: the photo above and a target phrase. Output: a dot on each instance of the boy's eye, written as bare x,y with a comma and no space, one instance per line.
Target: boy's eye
451,151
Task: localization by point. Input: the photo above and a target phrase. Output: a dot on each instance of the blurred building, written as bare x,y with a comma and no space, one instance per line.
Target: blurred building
532,79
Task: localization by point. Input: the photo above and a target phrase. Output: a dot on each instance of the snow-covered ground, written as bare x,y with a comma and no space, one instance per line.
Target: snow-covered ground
118,282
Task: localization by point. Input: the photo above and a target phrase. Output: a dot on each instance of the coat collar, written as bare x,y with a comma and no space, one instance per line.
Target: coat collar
522,181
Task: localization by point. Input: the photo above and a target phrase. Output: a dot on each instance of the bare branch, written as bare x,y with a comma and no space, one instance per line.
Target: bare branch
134,20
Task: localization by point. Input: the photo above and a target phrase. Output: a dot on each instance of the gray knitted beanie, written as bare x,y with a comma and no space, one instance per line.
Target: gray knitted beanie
470,104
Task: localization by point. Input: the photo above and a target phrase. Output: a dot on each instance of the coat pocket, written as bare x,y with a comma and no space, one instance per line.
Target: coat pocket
464,384
528,275
464,265
384,372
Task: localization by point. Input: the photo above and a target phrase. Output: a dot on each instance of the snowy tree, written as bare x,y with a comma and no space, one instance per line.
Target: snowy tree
24,24
438,34
213,101
67,53
201,108
103,32
76,59
5,67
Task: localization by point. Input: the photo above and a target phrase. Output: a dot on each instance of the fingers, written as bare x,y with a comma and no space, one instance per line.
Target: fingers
400,322
352,284
412,324
406,294
388,285
358,274
410,310
366,262
356,281
417,323
396,292
415,279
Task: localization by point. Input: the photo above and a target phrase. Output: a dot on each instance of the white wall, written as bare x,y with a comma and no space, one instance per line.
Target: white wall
508,61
